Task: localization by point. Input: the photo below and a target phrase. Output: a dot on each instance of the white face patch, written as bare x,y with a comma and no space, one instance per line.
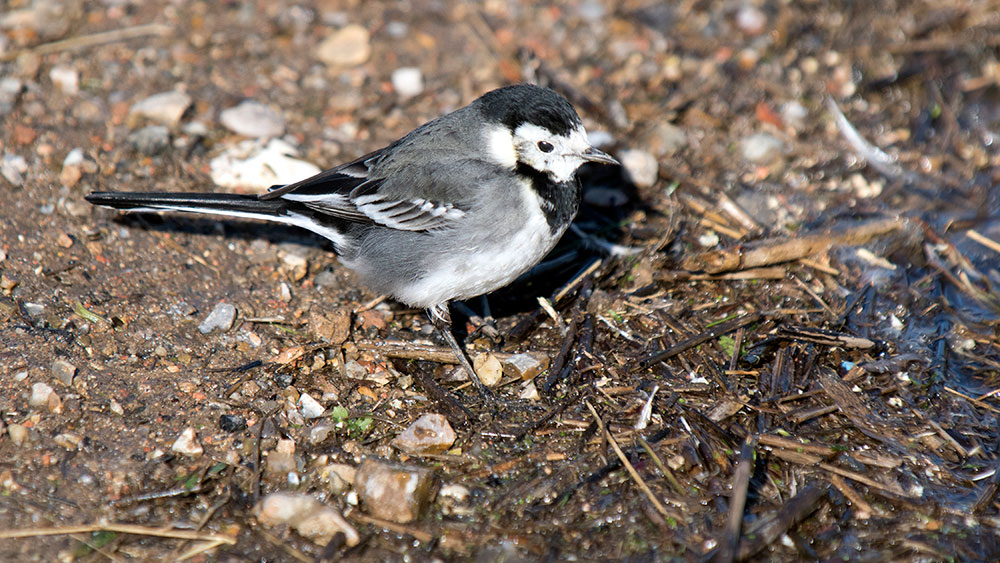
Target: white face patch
562,161
500,146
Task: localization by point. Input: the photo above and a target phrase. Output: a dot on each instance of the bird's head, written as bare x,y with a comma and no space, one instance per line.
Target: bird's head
536,127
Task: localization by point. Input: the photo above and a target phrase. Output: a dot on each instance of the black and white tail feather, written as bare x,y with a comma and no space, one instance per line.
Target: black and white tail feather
324,204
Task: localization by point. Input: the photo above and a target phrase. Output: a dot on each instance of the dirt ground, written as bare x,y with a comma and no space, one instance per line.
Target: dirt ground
789,329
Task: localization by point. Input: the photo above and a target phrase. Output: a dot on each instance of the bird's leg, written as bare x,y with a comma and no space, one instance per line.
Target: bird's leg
485,327
441,318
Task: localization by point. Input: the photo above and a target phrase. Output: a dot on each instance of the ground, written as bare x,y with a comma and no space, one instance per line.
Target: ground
783,314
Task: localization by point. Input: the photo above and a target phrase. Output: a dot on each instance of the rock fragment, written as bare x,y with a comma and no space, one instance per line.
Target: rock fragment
253,119
393,491
282,460
309,407
407,81
165,108
761,148
348,46
429,434
525,366
641,166
307,516
63,371
488,369
221,318
66,79
150,140
187,443
253,165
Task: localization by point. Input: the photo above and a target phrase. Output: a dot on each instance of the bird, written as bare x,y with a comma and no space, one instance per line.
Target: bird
457,208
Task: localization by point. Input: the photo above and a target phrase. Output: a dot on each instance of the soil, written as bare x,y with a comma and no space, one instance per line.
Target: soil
787,326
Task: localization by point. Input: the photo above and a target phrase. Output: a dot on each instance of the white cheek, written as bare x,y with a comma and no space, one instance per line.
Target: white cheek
500,145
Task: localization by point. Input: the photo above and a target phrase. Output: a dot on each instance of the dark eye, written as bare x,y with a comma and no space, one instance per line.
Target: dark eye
545,146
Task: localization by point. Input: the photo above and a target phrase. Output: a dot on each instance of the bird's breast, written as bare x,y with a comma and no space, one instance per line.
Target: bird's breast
490,251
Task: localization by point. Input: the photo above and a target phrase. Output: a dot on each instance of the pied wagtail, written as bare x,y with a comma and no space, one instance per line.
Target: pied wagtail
457,208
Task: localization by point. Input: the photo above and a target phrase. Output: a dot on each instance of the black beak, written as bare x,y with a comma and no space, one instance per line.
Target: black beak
594,155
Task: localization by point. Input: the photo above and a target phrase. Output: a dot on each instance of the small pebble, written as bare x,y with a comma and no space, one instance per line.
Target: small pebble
297,264
66,79
187,443
525,366
63,371
116,407
34,310
761,148
665,139
165,108
794,114
307,516
454,492
40,394
407,82
150,140
68,440
221,318
74,166
708,239
337,476
333,327
309,407
393,491
232,423
453,499
326,279
348,46
488,369
529,392
641,166
355,370
750,19
397,29
253,119
18,433
13,167
10,89
320,432
429,434
251,165
281,461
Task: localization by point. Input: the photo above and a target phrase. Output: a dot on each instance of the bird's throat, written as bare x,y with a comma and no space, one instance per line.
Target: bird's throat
560,200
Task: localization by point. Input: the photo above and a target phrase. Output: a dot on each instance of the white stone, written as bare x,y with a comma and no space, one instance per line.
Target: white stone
221,318
40,393
307,516
66,79
253,119
166,107
187,443
309,407
407,81
348,46
429,434
761,148
251,165
641,166
13,167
